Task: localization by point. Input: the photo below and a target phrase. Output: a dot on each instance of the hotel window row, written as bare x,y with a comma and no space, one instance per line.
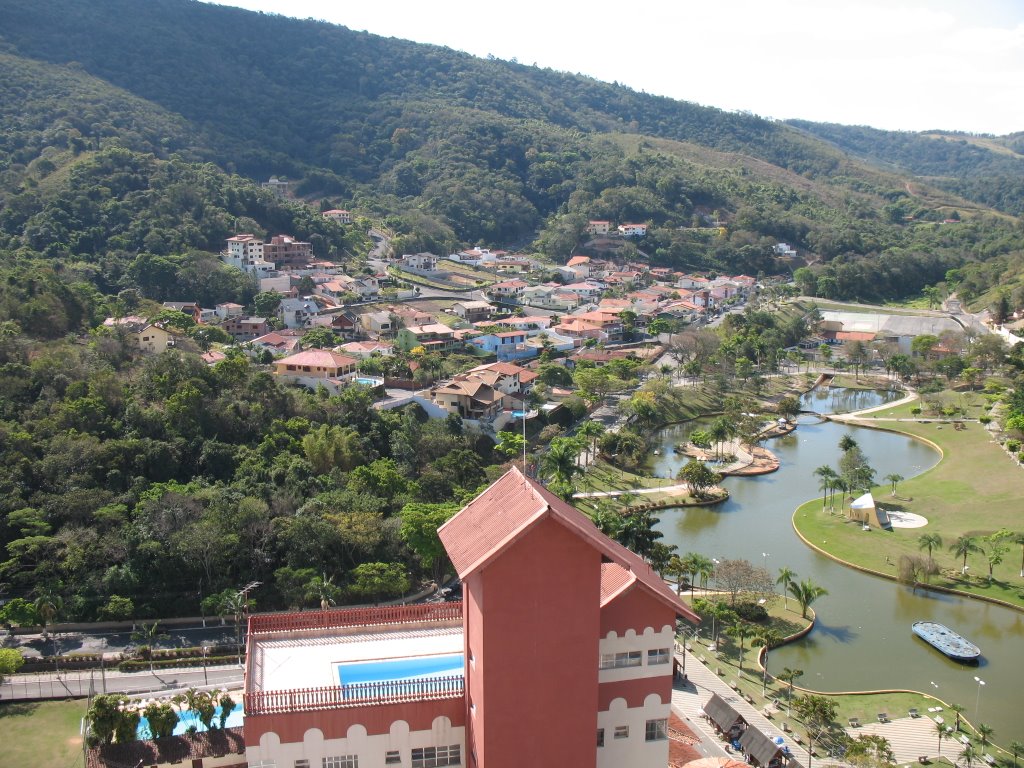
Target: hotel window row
635,658
654,730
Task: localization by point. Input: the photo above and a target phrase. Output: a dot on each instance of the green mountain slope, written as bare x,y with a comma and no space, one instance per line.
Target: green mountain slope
451,149
984,169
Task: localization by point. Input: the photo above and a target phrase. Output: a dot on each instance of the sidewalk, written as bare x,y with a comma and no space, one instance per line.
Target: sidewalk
909,737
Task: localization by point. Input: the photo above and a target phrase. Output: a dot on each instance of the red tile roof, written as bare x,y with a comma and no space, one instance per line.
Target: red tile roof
510,507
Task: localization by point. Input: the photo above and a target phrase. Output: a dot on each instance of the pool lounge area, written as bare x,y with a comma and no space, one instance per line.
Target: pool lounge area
359,656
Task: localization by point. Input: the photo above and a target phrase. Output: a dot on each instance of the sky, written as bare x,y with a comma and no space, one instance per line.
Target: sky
895,64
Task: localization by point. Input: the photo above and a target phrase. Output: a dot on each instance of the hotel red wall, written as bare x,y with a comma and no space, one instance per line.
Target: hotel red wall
635,691
635,609
539,646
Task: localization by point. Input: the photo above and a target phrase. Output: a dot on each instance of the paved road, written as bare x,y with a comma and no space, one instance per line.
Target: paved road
909,737
81,682
193,636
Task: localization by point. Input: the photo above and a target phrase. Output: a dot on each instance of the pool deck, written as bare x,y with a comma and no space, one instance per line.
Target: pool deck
282,662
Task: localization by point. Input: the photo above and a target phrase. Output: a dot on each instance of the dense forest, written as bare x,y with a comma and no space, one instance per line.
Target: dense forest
135,488
133,137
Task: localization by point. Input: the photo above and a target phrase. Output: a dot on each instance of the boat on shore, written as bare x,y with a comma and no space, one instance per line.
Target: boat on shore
945,640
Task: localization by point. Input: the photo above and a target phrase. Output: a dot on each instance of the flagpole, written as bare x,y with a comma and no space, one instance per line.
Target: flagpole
524,441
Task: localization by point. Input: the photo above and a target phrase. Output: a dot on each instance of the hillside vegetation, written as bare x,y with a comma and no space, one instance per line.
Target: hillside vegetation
447,149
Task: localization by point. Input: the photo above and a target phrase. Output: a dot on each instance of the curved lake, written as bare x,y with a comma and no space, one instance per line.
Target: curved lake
862,639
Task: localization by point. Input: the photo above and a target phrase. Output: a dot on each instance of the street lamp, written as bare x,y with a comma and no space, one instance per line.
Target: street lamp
764,560
977,699
206,648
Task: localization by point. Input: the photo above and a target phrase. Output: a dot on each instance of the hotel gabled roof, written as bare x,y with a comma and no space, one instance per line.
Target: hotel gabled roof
511,507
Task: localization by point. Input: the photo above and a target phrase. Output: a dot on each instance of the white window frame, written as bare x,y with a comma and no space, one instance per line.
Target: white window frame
656,730
340,761
657,656
436,757
621,732
621,660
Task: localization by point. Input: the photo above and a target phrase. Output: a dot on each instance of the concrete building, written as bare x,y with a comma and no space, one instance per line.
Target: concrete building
560,655
286,251
339,215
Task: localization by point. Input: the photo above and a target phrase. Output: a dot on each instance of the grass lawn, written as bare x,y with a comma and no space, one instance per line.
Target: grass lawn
43,734
864,381
974,490
788,621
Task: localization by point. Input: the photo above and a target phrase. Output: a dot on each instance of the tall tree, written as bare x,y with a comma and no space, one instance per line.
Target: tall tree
785,579
806,593
963,547
817,713
929,541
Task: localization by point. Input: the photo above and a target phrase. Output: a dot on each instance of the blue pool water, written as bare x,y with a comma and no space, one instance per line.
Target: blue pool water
189,718
400,669
369,382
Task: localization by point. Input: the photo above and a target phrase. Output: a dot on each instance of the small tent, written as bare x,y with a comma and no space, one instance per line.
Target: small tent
864,510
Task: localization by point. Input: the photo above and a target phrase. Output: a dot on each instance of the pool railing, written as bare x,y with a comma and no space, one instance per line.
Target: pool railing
355,617
357,695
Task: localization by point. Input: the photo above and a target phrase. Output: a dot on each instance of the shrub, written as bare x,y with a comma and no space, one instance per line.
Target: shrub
985,419
751,612
1013,445
1020,457
916,411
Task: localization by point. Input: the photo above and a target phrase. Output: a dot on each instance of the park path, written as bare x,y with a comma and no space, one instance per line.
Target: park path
909,737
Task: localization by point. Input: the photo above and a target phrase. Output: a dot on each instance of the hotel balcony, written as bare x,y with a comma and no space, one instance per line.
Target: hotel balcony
339,659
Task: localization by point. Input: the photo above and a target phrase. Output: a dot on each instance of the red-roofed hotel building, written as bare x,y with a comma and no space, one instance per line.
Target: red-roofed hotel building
561,654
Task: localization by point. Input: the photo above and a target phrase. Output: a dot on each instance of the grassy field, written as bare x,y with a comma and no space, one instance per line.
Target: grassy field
974,490
41,734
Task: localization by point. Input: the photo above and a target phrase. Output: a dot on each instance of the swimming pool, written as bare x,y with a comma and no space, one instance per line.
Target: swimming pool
412,667
369,382
187,718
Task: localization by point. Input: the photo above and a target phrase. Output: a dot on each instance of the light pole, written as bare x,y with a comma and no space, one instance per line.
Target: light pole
764,559
205,649
977,699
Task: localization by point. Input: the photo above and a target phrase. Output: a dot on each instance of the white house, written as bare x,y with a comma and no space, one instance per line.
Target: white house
633,230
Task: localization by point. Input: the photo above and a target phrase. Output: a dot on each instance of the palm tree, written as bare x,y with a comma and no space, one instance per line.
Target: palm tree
236,605
956,709
147,637
894,478
741,632
929,541
691,562
788,676
964,546
806,592
560,461
942,733
967,754
769,638
1016,748
826,475
786,577
706,570
591,430
984,733
721,430
48,605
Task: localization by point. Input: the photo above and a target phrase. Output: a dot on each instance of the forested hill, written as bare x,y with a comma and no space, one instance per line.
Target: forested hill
451,149
269,88
987,169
